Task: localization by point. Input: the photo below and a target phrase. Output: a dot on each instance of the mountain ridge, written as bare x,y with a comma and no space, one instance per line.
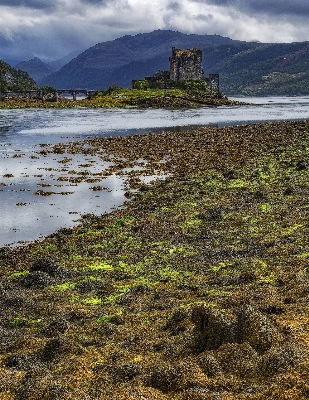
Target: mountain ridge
245,68
12,79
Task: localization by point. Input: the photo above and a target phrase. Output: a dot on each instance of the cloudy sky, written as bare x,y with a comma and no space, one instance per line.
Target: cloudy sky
50,29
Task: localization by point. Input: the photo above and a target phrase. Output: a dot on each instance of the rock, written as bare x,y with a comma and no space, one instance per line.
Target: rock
238,359
34,386
55,347
19,361
177,316
53,269
6,337
288,191
137,393
166,378
279,359
210,364
60,325
88,286
126,372
212,328
169,377
198,393
255,328
36,280
231,358
301,165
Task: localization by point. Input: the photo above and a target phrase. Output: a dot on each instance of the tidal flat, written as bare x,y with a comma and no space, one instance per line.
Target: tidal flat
197,288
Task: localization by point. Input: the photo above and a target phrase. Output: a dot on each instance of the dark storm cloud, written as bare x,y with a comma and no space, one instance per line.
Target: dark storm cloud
271,7
174,6
95,2
50,29
35,4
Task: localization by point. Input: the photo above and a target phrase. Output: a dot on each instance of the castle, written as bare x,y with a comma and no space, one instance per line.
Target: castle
184,65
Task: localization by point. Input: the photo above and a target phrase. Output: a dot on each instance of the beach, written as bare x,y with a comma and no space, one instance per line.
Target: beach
196,288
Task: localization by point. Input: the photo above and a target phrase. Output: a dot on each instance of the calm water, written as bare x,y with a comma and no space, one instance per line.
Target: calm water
26,216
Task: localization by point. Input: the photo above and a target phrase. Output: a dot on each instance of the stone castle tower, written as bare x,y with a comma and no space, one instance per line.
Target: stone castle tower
186,65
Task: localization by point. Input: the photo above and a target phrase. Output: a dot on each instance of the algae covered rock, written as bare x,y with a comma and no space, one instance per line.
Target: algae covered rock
36,280
210,364
166,377
52,268
256,329
213,328
279,359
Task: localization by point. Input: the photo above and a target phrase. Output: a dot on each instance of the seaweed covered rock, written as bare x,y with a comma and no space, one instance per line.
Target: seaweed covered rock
36,280
239,359
256,329
210,364
167,378
279,359
176,318
23,362
56,327
213,328
52,268
34,386
55,348
138,393
231,358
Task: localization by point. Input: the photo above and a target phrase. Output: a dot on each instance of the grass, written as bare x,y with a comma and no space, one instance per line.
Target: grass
145,288
122,98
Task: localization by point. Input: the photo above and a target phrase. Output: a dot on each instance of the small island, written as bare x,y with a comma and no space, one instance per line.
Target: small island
183,86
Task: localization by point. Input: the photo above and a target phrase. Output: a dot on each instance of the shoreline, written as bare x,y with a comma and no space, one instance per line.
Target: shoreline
138,102
148,300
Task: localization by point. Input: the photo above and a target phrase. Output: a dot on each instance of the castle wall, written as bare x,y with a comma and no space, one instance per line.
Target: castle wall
186,65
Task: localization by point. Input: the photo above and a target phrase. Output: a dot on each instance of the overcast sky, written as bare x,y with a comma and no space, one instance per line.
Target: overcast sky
50,29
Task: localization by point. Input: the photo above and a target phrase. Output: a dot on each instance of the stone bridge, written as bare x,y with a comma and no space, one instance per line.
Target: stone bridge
40,94
75,92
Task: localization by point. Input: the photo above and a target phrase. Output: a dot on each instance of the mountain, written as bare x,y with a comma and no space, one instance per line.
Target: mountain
245,68
11,61
12,79
268,69
36,68
126,58
58,64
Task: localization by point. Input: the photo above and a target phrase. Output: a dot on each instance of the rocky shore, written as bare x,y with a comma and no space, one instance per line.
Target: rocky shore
196,289
144,100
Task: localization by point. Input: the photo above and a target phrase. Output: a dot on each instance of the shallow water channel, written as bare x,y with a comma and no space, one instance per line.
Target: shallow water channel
25,171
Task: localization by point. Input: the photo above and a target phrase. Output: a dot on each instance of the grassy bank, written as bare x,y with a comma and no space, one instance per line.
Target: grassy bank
197,289
122,98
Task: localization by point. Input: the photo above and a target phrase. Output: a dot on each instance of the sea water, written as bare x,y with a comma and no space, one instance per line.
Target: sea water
24,132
